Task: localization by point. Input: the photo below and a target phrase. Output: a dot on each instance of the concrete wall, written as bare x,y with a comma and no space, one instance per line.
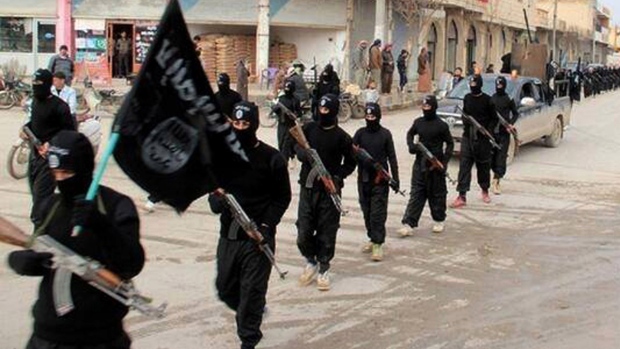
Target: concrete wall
30,60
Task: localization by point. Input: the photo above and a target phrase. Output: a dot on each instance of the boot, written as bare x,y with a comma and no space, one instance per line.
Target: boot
485,197
367,247
377,252
459,202
322,283
495,186
149,206
307,277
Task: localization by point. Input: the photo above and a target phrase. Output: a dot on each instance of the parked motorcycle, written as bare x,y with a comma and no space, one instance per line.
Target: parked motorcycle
13,94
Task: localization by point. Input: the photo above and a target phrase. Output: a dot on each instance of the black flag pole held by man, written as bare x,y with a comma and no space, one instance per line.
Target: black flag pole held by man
174,142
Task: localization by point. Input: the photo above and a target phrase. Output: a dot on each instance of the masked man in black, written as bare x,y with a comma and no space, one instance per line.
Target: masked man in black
372,188
285,122
264,193
329,82
475,147
428,183
225,96
507,108
49,115
110,235
318,219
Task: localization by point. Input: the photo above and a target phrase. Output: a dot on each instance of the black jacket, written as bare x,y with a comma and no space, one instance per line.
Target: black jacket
227,99
263,191
50,116
507,108
433,133
482,109
380,145
115,243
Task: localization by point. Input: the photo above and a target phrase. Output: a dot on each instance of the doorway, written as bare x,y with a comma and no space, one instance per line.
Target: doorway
120,49
431,45
453,38
471,49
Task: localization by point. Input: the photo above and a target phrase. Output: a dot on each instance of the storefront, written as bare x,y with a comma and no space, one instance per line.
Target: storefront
27,34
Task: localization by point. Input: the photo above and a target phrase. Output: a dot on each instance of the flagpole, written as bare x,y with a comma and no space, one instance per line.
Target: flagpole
101,167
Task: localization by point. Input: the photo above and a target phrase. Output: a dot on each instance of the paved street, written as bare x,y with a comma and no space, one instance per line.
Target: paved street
539,267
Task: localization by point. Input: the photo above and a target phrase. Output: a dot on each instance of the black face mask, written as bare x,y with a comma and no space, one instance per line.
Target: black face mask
429,114
247,138
327,120
223,87
373,125
41,91
74,187
500,91
476,90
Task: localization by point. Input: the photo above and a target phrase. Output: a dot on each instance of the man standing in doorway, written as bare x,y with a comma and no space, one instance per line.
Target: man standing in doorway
376,62
123,47
360,64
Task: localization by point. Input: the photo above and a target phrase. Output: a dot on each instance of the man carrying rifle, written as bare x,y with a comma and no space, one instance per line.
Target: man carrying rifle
507,109
475,144
264,193
285,121
372,186
110,235
318,219
428,180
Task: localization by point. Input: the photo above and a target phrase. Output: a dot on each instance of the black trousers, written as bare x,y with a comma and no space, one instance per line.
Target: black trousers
476,152
500,156
426,186
318,221
403,78
374,202
242,280
42,185
123,64
122,342
285,144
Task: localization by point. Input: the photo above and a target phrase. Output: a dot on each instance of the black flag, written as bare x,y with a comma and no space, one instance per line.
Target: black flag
174,142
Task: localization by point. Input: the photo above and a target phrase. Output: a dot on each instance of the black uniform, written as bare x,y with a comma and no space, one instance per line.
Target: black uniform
426,183
226,98
475,147
373,194
318,219
329,82
49,115
288,99
507,108
264,193
110,236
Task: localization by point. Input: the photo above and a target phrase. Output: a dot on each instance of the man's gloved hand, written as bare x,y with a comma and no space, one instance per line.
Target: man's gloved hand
267,234
29,262
85,214
339,182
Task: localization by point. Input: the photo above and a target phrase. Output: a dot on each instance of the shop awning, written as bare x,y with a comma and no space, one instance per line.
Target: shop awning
236,12
28,8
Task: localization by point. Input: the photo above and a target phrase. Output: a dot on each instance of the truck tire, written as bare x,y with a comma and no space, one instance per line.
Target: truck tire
555,138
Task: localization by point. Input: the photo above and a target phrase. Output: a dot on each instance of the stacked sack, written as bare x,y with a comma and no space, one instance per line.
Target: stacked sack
225,56
208,55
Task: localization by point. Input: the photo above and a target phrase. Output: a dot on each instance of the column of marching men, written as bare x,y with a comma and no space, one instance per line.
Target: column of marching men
261,196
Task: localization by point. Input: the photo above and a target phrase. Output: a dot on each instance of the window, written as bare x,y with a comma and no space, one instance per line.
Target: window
15,34
47,38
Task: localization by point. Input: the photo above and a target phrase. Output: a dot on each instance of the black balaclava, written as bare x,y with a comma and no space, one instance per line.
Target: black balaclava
328,73
72,151
430,102
500,85
289,88
331,102
375,110
223,82
246,111
42,84
475,85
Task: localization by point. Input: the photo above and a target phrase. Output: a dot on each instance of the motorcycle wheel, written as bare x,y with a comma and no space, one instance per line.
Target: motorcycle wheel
358,112
268,118
344,114
7,100
17,161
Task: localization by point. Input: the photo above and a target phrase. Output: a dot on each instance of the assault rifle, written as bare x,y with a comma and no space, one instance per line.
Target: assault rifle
31,137
318,169
382,173
479,128
250,228
67,262
509,127
435,163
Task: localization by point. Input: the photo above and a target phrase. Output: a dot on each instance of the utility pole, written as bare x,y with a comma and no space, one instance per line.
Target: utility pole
346,69
555,26
262,37
380,19
594,9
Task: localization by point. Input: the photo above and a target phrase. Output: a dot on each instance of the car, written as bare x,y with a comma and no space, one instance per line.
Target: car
540,117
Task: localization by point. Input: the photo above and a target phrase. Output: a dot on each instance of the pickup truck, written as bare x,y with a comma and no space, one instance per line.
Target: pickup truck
540,118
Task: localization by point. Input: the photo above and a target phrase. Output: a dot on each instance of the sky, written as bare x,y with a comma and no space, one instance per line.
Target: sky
614,5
